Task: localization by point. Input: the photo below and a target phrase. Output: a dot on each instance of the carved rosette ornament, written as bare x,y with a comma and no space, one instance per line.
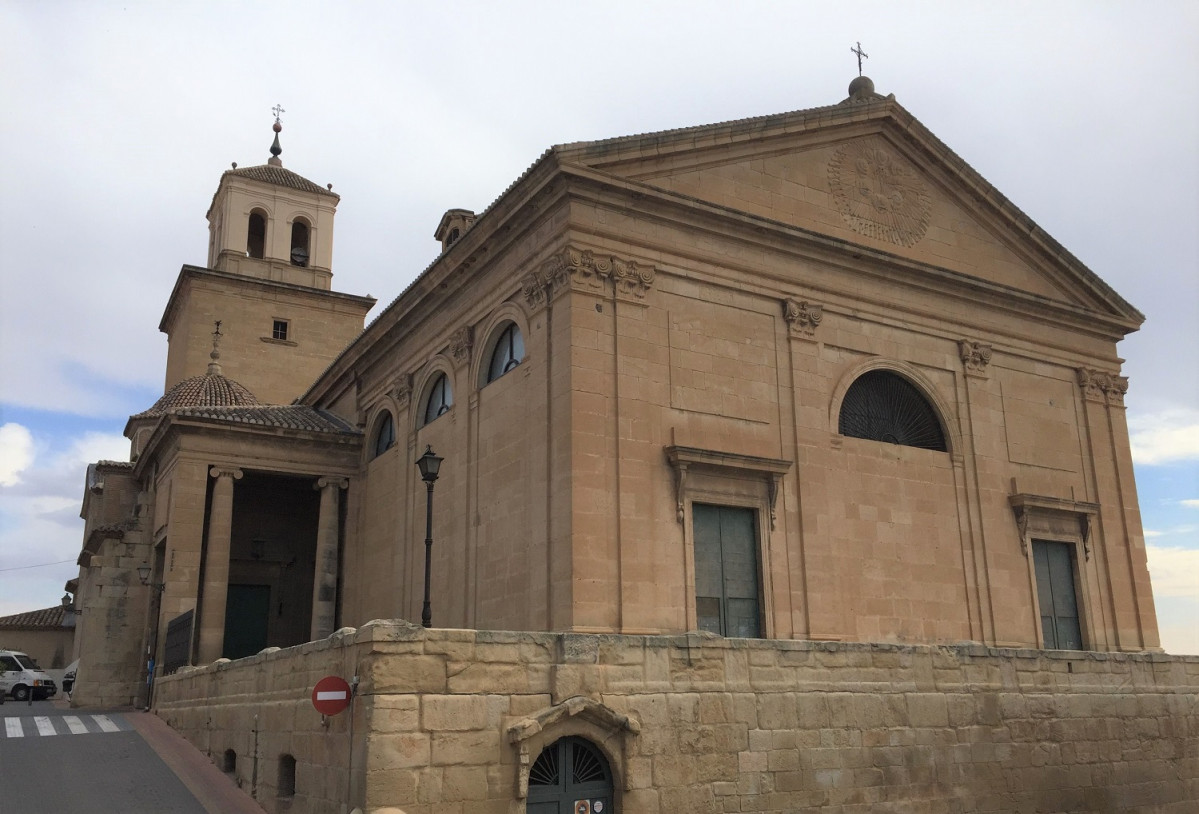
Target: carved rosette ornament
582,270
802,317
1102,387
879,194
975,357
461,342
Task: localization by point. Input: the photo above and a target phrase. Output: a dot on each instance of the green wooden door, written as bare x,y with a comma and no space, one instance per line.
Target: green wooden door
727,598
1054,563
247,614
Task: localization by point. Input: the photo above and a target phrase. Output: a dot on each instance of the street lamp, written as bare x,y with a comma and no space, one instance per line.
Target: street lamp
143,576
428,464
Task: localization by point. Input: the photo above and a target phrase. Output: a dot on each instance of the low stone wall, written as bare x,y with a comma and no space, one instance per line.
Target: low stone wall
449,721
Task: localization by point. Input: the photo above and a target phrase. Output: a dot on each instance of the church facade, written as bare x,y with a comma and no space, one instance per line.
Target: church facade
802,377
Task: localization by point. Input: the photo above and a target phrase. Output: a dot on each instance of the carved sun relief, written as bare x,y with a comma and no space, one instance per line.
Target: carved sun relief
878,194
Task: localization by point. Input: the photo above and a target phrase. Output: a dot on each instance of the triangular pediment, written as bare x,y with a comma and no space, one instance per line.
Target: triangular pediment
866,174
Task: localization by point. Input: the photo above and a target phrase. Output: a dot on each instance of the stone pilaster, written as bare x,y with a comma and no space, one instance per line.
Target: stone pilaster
216,565
324,581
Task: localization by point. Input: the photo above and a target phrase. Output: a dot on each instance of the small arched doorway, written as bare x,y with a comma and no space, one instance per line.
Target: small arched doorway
570,776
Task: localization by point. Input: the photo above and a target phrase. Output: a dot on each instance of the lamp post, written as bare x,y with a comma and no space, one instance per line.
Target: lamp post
428,464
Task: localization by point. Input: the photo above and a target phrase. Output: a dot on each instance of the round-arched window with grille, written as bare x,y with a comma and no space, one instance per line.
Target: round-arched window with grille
570,775
883,406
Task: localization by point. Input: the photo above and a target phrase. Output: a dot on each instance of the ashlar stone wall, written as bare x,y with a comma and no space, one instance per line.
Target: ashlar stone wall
450,721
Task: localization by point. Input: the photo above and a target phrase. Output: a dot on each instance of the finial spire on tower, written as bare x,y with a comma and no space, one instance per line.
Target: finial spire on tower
856,50
214,367
276,149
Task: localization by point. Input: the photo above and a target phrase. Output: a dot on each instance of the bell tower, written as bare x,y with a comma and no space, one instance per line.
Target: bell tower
268,222
268,280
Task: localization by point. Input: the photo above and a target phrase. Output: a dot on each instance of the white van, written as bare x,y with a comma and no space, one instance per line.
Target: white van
21,678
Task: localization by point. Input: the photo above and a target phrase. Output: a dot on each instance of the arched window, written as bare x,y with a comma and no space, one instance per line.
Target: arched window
508,352
299,243
385,434
440,398
256,239
884,406
569,771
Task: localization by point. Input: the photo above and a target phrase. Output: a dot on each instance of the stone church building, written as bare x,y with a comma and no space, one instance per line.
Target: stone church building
798,388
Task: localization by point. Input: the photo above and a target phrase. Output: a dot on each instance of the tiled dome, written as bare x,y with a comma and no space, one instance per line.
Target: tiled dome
210,390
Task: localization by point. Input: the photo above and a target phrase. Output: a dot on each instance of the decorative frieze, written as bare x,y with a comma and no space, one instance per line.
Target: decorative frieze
802,317
461,343
1103,387
582,270
975,357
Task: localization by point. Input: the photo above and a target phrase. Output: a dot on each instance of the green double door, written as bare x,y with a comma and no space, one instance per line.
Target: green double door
1056,594
727,593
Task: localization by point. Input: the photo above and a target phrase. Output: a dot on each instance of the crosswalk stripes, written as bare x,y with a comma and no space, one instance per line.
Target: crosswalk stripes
46,726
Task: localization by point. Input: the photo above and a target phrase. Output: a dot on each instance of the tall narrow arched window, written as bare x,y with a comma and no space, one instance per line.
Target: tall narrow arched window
385,434
299,243
883,406
508,352
256,237
439,399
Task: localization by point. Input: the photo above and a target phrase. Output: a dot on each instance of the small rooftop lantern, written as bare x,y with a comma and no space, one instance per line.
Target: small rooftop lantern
429,465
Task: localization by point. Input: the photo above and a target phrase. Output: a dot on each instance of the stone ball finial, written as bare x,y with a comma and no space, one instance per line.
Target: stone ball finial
862,87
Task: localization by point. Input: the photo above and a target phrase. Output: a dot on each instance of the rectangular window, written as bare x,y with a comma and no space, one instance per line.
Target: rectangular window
279,331
1057,595
726,571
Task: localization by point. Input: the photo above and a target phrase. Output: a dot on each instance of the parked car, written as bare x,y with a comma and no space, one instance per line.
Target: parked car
22,678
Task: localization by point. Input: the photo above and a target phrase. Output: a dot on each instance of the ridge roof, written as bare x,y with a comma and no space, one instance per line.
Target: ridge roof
279,176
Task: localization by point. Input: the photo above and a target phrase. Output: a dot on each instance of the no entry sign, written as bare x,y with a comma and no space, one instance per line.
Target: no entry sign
331,695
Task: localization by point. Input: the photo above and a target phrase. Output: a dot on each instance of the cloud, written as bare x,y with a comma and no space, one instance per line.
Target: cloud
16,453
1190,504
1174,571
1166,437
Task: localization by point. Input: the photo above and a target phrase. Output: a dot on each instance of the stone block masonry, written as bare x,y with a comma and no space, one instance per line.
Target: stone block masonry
449,721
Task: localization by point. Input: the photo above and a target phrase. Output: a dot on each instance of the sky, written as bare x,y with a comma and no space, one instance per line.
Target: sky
118,119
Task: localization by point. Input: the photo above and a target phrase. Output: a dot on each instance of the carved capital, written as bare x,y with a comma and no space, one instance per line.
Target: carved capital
225,472
1102,387
631,280
574,269
331,482
461,343
401,389
802,317
975,357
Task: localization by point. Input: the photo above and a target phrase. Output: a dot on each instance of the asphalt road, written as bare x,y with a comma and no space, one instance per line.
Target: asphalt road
55,760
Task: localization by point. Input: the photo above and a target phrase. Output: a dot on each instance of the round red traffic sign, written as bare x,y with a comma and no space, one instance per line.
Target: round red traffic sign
331,695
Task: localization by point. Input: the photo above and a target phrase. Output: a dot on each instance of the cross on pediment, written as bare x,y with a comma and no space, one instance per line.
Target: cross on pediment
861,55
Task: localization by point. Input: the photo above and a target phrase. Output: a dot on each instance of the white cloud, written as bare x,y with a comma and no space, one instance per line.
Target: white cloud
1165,437
1174,571
1190,504
16,453
96,446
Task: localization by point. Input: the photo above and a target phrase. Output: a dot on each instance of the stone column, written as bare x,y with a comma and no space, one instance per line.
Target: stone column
324,581
216,565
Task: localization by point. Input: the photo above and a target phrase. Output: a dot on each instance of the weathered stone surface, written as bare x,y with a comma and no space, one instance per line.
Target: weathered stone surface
1120,738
